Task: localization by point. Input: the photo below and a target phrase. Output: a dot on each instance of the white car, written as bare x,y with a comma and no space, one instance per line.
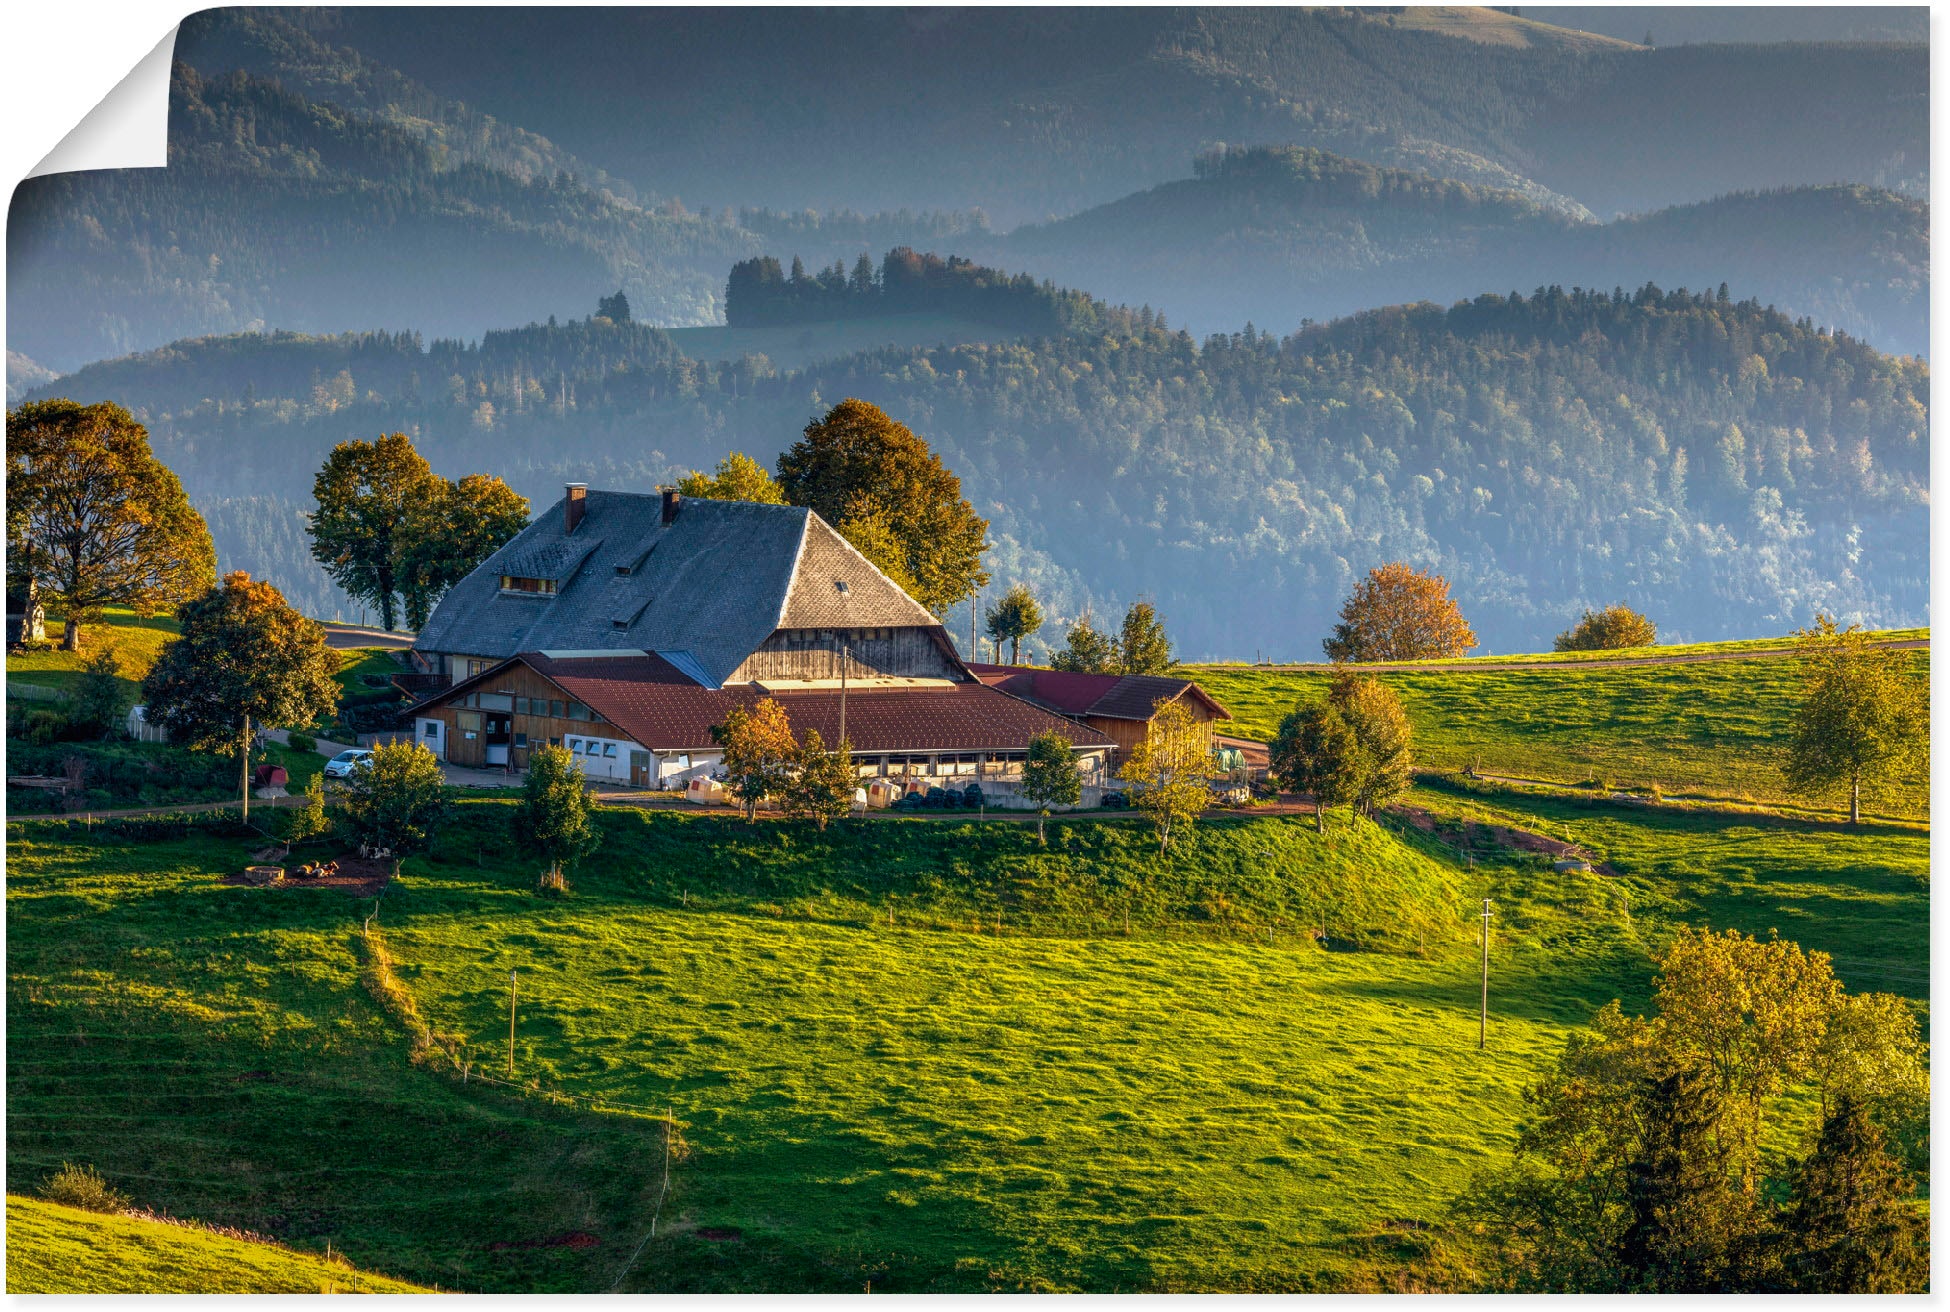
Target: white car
342,765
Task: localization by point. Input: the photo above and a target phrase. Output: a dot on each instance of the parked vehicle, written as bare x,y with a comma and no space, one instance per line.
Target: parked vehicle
1114,799
342,765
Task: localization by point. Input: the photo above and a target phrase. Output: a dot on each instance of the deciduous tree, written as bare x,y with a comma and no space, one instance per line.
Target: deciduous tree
1399,613
1384,761
397,801
448,530
1171,770
1315,752
1863,717
96,520
759,752
1640,1164
366,492
738,477
1142,647
856,460
1050,776
822,783
1012,619
1085,650
244,658
1611,629
555,818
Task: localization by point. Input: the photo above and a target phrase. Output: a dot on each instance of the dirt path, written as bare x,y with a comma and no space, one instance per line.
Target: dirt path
1503,836
1485,665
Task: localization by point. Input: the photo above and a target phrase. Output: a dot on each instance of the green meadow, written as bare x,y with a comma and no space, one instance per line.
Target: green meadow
60,1250
870,1084
1709,729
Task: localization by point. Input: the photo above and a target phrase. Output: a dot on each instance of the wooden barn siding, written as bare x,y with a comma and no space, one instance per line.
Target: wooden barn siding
520,681
1127,734
815,654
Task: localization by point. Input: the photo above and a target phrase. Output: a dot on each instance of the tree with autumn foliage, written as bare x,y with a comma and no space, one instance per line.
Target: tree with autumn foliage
738,477
1171,770
1615,628
857,468
1644,1162
759,752
1399,613
94,520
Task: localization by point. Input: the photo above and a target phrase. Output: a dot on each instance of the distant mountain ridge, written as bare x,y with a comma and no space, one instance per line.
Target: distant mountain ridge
1275,234
1033,114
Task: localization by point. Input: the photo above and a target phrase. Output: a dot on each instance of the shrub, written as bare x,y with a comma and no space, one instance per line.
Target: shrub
45,726
1611,629
83,1187
302,742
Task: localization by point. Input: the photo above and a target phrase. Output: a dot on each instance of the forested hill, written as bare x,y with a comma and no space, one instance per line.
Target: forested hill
1034,113
1268,233
1722,466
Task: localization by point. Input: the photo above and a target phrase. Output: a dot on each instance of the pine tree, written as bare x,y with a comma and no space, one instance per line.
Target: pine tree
1848,1228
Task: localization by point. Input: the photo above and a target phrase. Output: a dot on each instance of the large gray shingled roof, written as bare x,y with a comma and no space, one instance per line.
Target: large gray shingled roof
713,584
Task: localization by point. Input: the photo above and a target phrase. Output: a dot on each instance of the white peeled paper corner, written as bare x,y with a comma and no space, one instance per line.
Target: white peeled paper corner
129,129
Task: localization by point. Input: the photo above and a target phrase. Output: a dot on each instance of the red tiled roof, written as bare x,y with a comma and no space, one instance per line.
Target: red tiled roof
1110,696
652,702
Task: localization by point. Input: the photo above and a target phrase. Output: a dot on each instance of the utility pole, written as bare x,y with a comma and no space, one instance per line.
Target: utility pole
511,1024
1483,1024
244,750
846,655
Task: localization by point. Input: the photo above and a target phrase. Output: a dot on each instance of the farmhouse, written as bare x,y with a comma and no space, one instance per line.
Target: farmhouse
625,626
1120,706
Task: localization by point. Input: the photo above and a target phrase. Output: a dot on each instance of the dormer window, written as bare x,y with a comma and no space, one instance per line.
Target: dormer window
527,586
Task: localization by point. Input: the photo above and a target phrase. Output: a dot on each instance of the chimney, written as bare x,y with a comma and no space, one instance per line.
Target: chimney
672,500
573,505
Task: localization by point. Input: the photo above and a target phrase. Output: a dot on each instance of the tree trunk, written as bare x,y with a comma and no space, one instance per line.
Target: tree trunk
1320,820
71,635
1040,840
1015,650
1855,799
386,609
244,773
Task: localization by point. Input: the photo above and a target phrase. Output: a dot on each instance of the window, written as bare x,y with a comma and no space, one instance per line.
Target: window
609,749
555,708
533,587
555,742
432,729
577,711
592,748
681,761
521,740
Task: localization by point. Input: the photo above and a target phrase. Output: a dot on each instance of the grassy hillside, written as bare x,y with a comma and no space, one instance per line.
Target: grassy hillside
60,1250
1210,1101
1712,729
